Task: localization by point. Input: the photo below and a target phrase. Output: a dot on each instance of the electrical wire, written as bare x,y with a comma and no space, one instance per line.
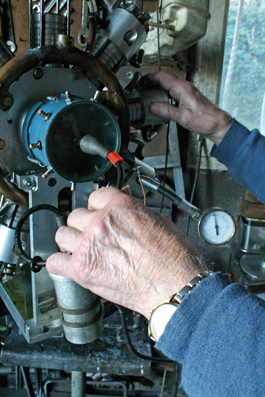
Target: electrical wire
18,246
201,142
143,190
120,175
131,347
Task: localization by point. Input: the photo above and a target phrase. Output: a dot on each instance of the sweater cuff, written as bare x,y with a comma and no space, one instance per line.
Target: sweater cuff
235,136
183,323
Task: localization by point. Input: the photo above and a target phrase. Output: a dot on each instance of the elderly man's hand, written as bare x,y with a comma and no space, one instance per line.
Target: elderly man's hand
194,112
124,252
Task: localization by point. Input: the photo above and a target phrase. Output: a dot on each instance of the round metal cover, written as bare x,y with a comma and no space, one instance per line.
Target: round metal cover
253,266
68,128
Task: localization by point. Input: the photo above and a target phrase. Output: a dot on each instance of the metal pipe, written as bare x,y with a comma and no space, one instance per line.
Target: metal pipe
68,17
41,23
78,384
91,32
30,23
12,192
162,26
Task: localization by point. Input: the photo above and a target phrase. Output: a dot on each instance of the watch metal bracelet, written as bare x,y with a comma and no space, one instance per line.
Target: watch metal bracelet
161,314
179,296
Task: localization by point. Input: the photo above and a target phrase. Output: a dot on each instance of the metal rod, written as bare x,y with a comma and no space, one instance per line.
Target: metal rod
162,26
27,382
163,383
68,17
78,384
30,21
13,214
41,23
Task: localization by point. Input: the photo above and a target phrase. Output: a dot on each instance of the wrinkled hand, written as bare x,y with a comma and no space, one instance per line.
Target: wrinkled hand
194,111
124,252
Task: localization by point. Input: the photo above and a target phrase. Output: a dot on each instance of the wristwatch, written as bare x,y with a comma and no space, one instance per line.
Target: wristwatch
161,314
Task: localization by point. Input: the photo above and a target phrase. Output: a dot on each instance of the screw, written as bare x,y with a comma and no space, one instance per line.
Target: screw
2,144
45,329
38,73
47,173
37,145
29,183
45,116
7,101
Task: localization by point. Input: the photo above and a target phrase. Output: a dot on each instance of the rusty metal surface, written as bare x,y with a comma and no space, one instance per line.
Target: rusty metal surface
105,355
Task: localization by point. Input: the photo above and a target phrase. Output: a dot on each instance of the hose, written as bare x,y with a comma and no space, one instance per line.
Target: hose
37,262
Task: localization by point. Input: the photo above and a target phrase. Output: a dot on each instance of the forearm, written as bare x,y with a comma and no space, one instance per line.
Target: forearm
242,151
218,334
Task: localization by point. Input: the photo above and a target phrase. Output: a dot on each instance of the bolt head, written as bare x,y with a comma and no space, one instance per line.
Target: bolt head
38,73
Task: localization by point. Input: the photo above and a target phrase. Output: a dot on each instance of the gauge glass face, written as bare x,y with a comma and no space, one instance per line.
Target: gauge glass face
216,227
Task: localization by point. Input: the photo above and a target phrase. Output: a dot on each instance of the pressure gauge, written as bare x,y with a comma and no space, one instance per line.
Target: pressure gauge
216,226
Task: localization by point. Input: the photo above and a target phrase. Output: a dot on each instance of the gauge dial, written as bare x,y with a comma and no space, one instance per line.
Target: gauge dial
216,226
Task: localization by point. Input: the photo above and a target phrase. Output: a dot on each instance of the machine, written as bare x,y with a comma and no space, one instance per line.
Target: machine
69,124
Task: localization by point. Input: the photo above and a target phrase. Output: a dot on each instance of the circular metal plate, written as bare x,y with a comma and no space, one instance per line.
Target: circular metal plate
66,130
253,266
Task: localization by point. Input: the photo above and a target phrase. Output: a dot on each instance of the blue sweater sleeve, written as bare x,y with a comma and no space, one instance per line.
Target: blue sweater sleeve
219,337
242,151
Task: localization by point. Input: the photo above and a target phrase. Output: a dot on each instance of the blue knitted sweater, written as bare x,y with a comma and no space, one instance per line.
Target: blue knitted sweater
218,331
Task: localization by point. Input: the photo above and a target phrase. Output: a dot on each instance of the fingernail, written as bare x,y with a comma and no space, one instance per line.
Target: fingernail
126,189
154,107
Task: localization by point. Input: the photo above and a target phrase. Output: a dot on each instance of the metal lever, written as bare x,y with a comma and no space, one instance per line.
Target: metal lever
155,186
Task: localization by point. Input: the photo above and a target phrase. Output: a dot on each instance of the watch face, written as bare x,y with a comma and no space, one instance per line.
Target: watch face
160,317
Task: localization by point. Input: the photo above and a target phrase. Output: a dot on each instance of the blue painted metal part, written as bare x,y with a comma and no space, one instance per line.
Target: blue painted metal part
35,127
59,130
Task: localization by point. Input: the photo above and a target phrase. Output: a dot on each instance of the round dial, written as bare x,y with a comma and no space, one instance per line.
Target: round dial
216,226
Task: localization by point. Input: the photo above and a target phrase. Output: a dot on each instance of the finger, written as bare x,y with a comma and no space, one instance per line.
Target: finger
178,89
60,264
170,112
102,197
165,79
80,220
67,238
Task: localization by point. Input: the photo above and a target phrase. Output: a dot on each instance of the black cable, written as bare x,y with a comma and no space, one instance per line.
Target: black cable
195,180
120,176
35,262
131,347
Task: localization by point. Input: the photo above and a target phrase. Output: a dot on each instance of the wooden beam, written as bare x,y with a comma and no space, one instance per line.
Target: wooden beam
208,73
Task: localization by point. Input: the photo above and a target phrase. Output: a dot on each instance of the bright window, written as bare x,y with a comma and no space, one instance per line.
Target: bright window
243,80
